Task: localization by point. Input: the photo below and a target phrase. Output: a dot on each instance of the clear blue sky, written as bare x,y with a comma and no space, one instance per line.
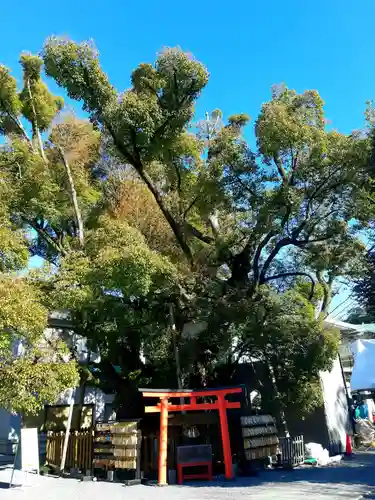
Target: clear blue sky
246,45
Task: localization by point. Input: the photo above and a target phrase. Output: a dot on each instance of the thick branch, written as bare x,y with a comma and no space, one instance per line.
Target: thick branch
280,168
179,180
279,245
242,183
20,129
307,241
294,165
258,253
214,223
297,273
42,233
319,187
198,234
179,104
240,265
174,225
193,202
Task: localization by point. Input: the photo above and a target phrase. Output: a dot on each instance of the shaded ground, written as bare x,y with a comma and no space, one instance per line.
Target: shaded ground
346,480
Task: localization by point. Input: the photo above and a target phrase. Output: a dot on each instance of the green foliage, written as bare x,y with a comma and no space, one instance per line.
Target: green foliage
281,330
39,106
35,374
76,67
21,312
240,120
116,260
13,248
10,105
27,386
143,120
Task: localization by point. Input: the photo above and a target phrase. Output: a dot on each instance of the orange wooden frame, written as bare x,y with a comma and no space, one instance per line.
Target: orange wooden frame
164,406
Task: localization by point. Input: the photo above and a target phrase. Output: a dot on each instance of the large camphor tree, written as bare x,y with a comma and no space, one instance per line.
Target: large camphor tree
179,250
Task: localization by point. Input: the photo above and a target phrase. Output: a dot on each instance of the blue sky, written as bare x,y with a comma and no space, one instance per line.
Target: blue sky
246,45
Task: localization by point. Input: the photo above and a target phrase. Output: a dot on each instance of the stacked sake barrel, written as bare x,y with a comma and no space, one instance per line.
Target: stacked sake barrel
259,434
117,445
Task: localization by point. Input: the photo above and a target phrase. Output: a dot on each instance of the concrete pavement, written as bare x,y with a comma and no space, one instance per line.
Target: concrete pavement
347,480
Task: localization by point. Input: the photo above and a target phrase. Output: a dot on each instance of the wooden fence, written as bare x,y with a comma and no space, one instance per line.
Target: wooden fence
79,454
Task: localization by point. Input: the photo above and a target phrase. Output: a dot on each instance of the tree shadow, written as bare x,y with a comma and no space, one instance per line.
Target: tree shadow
356,471
6,486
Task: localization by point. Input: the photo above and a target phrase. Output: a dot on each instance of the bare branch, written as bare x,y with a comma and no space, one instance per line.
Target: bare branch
34,122
73,195
193,202
20,129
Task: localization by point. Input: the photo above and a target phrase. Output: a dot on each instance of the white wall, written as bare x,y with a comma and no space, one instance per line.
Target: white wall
336,404
93,395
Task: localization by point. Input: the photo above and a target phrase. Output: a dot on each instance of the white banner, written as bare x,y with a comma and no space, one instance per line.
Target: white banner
29,450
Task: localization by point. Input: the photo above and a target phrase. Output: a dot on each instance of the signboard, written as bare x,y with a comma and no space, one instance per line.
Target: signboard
29,450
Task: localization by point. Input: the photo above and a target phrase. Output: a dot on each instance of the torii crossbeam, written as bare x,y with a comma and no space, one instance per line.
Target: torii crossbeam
164,406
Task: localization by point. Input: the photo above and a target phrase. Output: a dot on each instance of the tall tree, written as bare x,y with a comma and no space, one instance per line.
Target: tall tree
37,217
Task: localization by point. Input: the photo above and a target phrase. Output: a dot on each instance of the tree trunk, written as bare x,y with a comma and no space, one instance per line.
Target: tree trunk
36,138
175,349
327,292
74,198
283,426
81,403
37,141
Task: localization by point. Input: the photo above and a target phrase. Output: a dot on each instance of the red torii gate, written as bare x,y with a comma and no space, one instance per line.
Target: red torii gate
164,406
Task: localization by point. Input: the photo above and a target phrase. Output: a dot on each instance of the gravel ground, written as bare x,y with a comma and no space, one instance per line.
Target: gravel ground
347,480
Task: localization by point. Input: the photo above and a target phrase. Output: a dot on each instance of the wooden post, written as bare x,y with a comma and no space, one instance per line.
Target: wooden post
67,432
163,442
76,449
138,451
225,437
